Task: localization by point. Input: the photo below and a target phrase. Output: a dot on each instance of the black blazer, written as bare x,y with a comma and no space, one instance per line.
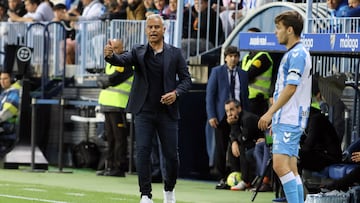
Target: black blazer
176,75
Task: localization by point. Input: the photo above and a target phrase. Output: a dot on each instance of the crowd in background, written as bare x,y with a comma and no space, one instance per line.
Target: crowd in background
224,14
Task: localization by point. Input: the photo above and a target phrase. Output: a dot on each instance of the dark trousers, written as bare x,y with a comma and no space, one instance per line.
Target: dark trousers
223,151
116,132
258,106
158,168
247,165
261,156
147,125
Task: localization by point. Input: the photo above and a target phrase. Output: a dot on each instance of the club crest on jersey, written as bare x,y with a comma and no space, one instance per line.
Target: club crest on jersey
286,137
295,54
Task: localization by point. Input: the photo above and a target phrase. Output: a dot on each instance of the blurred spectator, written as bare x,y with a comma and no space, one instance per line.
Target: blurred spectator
59,12
3,13
37,11
249,6
155,7
76,8
171,10
135,10
17,7
338,8
115,9
150,7
200,19
227,10
354,8
93,9
188,3
160,6
354,3
71,4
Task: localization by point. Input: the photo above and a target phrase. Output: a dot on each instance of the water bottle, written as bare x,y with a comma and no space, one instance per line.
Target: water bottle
268,137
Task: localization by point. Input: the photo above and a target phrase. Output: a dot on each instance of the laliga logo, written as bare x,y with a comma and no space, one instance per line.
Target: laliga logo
348,42
308,43
24,54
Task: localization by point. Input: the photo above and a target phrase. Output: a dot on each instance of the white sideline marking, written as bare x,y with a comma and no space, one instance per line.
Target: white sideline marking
75,194
120,199
34,189
30,198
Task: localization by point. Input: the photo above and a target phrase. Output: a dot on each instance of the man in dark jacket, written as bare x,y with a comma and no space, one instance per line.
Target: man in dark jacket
160,78
225,81
244,134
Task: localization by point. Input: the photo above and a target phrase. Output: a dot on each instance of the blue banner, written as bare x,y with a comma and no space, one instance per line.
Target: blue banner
321,43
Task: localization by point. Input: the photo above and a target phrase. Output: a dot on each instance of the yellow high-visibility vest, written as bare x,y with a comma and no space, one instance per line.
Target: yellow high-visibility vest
262,82
116,96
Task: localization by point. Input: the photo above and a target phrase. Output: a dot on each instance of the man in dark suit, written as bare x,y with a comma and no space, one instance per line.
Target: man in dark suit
225,82
154,102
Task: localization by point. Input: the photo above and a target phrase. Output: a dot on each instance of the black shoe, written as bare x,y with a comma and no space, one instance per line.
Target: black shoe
222,185
115,173
101,173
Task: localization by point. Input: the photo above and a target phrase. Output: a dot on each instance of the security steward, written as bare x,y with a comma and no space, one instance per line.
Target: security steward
113,101
259,66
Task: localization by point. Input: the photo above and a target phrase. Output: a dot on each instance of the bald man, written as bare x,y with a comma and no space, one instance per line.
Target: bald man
113,101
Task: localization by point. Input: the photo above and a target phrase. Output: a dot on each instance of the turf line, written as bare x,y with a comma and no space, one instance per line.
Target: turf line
30,198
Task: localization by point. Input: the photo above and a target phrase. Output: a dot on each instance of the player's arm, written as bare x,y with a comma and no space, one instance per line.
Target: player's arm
283,98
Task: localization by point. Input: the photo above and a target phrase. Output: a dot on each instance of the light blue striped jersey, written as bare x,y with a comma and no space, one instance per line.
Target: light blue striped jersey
295,69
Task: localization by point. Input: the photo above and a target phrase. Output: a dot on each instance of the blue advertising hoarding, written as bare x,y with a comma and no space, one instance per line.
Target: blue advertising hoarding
322,43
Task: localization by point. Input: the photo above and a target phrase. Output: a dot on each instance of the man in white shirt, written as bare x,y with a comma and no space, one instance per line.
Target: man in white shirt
37,11
93,9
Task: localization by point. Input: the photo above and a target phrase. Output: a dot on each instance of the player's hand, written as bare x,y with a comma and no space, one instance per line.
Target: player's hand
264,121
